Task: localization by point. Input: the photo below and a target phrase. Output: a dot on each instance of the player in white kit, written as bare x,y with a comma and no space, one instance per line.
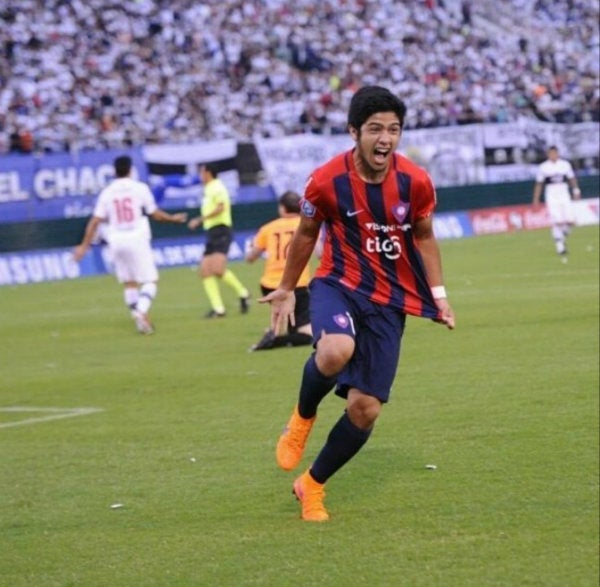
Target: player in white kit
124,205
554,177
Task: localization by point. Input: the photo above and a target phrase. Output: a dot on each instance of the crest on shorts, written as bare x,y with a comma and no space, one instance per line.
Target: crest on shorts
341,320
400,211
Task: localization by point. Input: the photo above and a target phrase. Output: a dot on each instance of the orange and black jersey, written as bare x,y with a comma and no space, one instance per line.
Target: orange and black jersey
274,238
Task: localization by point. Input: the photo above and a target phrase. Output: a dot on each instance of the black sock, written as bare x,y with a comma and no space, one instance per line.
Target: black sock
343,442
314,387
292,339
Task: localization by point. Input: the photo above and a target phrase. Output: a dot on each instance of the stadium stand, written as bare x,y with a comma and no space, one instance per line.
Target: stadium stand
79,74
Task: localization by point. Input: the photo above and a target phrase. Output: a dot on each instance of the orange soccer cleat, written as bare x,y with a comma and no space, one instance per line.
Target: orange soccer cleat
311,494
292,441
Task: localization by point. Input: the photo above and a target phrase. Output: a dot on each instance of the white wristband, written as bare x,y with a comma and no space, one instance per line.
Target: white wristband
438,292
576,191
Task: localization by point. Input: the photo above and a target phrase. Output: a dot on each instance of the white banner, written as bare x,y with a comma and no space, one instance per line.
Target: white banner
191,153
514,150
503,135
187,158
451,155
581,140
288,161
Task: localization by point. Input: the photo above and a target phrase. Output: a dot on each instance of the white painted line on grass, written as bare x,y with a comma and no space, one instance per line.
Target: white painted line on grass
52,414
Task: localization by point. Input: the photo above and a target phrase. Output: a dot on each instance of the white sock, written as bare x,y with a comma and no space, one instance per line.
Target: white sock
147,295
559,239
131,296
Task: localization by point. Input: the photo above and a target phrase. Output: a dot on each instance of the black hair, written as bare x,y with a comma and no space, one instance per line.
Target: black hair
552,148
290,201
370,100
211,168
122,166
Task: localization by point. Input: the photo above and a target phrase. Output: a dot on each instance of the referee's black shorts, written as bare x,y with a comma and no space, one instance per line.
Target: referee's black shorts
218,239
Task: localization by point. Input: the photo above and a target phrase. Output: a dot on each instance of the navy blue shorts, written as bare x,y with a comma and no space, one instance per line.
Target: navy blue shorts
377,332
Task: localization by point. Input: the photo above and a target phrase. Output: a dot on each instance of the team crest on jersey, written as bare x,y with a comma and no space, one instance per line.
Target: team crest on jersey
307,208
400,211
341,320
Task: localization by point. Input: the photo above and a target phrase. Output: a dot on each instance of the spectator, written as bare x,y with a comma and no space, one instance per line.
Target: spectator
92,74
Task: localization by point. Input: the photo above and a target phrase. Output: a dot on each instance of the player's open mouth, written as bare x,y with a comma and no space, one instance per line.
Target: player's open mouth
380,155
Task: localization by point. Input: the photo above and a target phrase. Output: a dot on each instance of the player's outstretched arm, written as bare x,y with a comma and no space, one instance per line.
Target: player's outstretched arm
162,216
194,223
537,193
253,254
90,230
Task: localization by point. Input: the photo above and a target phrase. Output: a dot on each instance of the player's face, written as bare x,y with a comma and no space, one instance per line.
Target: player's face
553,154
376,141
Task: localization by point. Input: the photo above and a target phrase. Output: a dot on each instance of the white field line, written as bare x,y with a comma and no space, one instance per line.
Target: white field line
53,414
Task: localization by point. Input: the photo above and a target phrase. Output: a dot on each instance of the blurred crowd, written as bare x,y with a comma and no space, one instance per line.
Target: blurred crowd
77,74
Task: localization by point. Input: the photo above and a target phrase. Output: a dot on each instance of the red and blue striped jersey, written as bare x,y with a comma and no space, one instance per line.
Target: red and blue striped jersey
369,246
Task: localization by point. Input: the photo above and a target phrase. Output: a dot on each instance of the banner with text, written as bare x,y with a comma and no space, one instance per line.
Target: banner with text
453,156
51,186
57,185
58,264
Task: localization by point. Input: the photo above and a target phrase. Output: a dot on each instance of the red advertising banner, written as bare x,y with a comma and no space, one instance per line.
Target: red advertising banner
527,217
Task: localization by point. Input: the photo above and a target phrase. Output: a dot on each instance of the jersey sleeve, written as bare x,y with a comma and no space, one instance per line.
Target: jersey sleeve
215,193
569,170
148,201
220,196
424,197
539,176
100,210
311,203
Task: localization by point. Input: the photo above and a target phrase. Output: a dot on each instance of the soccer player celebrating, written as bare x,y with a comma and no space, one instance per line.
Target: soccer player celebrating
380,262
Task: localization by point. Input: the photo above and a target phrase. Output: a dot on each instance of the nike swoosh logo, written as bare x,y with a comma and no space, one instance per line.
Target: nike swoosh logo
351,213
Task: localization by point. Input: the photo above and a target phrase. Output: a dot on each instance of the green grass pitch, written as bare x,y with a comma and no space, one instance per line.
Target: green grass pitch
506,407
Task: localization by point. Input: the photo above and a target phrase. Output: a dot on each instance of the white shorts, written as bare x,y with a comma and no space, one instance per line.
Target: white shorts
559,205
133,260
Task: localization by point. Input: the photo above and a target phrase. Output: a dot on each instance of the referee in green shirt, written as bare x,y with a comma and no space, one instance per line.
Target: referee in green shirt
215,215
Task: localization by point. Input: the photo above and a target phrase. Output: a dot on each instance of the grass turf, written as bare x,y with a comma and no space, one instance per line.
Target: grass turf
506,407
